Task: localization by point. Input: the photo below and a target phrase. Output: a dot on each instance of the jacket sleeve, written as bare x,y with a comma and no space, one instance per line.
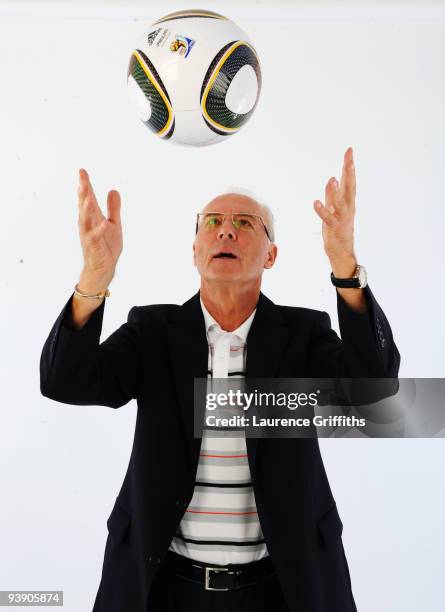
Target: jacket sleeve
75,368
366,349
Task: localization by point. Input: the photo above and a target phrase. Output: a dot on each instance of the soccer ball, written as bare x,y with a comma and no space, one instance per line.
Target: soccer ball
194,77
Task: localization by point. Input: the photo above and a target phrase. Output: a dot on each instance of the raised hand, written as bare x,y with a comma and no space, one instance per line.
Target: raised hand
337,215
100,236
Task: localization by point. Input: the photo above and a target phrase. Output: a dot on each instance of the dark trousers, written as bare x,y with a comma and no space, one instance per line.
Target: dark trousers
175,594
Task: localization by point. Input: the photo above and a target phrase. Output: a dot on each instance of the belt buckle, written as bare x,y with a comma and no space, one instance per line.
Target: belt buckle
207,577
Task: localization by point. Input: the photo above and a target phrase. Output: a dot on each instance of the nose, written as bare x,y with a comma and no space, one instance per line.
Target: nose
227,230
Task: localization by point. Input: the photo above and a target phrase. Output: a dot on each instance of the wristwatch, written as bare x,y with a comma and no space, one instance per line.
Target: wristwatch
358,281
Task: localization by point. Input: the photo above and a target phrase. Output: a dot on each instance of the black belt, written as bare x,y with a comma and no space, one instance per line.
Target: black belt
221,577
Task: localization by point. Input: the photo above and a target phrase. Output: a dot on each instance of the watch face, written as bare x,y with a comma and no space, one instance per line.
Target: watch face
362,277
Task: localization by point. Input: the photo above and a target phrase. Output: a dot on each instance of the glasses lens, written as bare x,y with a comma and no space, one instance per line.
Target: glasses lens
243,221
211,220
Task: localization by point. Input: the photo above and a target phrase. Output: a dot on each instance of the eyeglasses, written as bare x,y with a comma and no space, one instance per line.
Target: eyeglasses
245,222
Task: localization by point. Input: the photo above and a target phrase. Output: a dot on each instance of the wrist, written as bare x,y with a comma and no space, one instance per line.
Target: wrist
93,284
343,267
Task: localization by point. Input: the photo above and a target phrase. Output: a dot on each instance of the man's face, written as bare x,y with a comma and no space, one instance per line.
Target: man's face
227,254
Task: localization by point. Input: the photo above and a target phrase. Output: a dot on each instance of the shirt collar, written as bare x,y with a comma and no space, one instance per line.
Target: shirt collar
240,331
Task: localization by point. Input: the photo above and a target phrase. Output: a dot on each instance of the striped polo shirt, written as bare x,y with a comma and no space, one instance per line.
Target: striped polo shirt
221,523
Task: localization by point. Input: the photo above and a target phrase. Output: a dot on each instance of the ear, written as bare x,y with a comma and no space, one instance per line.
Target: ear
194,254
271,256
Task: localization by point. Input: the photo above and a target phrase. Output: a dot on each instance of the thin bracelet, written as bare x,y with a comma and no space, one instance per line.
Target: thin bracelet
98,296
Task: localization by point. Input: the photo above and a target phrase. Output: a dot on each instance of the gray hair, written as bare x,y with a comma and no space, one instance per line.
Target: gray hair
267,212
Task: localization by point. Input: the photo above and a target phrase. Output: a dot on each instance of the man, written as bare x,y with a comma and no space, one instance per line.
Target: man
259,512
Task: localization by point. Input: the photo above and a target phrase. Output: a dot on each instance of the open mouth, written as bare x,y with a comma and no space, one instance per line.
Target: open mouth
225,255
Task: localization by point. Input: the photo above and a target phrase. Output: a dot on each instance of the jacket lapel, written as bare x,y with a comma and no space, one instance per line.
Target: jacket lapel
189,358
266,342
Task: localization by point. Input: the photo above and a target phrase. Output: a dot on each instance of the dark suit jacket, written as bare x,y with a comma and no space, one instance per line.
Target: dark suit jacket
154,358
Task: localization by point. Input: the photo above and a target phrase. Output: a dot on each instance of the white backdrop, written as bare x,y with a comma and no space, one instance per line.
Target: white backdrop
366,76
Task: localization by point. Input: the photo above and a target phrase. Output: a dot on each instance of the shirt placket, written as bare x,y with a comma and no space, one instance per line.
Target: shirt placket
221,355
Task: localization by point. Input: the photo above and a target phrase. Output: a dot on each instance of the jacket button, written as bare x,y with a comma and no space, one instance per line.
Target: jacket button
181,503
152,560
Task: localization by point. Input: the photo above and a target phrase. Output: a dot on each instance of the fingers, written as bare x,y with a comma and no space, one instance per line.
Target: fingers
335,203
85,188
114,207
336,209
90,214
340,198
332,195
348,180
324,213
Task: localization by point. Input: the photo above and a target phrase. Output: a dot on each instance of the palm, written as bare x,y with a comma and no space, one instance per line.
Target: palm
338,239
